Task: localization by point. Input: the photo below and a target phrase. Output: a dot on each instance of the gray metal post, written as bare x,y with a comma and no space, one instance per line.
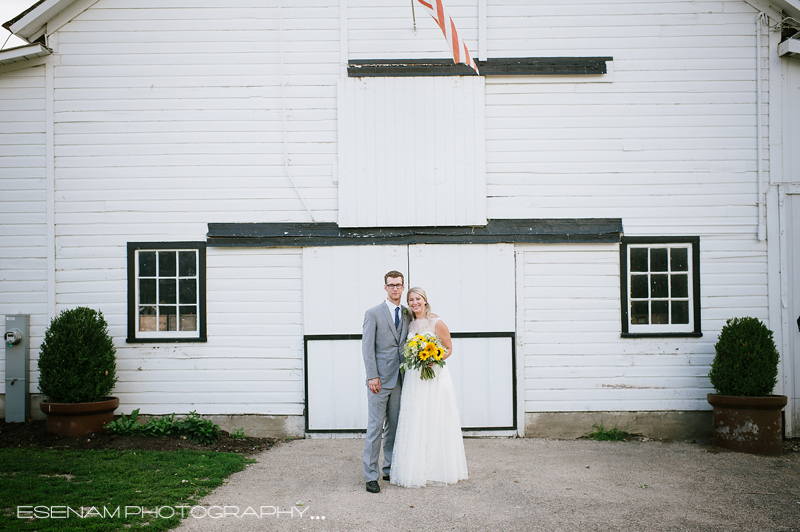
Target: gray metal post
17,342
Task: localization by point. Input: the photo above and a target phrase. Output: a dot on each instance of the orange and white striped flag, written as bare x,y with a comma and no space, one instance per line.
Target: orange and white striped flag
437,10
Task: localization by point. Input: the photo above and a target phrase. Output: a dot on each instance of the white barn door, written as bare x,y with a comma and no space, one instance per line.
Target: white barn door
339,284
470,286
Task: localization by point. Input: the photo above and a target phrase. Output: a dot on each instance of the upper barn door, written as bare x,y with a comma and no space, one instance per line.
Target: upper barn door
470,286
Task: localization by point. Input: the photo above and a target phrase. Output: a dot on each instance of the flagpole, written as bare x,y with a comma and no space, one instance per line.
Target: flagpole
413,17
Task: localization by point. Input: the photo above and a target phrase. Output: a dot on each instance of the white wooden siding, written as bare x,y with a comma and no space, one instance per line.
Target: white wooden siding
156,101
168,117
574,357
23,189
385,30
411,152
670,145
253,360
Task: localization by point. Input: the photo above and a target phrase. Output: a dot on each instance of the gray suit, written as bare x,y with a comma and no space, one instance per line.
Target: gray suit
380,346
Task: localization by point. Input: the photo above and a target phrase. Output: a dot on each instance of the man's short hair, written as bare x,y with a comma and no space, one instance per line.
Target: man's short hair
393,273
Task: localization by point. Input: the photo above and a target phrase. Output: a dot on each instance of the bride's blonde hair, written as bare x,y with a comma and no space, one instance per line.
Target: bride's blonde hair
419,291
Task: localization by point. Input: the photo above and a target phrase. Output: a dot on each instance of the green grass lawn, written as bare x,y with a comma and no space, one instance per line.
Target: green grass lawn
43,490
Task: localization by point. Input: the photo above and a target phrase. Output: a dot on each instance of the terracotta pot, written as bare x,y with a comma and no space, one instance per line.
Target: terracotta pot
79,419
748,424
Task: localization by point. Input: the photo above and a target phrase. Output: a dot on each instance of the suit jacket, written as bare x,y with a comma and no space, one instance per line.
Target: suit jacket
381,343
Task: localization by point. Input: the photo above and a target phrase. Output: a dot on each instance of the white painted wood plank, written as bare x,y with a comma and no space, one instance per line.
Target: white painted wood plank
341,282
482,373
470,286
337,385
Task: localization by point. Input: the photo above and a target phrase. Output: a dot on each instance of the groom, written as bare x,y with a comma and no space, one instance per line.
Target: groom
385,330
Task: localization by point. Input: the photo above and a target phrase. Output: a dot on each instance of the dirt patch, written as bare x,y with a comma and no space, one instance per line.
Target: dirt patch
33,435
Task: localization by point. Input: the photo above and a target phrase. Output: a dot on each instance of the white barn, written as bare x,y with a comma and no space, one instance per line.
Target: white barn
229,183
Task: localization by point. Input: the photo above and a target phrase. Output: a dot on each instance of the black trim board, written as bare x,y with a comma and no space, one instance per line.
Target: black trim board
623,284
532,231
201,279
500,66
493,334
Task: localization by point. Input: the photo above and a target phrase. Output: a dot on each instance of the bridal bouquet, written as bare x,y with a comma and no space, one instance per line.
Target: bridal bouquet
421,351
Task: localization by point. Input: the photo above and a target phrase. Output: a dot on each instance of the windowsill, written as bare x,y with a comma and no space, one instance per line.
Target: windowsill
662,335
163,340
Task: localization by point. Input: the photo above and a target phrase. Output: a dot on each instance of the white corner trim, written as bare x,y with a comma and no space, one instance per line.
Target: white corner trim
51,186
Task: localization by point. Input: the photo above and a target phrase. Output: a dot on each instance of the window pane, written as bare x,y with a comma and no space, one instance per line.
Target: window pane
659,286
147,292
187,263
167,319
680,312
147,264
166,264
188,291
638,259
639,286
660,312
639,313
188,318
166,291
658,260
679,259
147,318
680,285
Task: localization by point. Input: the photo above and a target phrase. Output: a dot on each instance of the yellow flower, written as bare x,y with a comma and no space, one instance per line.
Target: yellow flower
439,354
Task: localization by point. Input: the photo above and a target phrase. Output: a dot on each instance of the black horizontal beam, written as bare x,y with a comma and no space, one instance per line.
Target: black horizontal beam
502,66
552,230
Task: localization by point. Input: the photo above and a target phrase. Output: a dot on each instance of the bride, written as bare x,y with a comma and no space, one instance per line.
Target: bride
428,448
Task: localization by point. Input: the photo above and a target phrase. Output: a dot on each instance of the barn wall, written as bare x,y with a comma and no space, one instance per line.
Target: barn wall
23,188
253,360
167,118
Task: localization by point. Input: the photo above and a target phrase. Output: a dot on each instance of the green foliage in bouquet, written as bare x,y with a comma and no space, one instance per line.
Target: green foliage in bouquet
746,363
77,361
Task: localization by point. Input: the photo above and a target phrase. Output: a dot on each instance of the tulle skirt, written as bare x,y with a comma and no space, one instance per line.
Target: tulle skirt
428,448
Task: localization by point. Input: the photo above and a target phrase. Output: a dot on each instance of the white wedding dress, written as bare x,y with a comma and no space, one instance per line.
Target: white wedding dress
428,447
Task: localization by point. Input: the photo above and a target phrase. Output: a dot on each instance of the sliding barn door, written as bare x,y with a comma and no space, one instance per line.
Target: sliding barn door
471,286
339,284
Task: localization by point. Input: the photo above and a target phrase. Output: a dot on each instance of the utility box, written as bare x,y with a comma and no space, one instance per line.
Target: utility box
17,342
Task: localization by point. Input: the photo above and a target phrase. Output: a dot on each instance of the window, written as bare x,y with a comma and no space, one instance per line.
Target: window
660,286
166,292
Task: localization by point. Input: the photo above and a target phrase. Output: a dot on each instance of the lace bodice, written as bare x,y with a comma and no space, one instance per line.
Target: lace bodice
422,326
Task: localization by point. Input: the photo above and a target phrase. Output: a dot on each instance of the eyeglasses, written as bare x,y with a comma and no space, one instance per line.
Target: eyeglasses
394,286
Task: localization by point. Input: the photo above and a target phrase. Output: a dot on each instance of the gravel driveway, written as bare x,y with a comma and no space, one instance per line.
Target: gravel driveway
514,484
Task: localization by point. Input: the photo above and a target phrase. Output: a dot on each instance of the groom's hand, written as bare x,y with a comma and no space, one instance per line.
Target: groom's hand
374,385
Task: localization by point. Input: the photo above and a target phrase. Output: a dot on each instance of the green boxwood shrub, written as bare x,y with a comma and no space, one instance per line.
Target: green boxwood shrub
746,363
77,360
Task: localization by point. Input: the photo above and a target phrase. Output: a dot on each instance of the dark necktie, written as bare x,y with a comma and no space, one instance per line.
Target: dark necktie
397,318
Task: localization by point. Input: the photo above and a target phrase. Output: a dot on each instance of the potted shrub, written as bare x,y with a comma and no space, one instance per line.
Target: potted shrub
77,371
747,417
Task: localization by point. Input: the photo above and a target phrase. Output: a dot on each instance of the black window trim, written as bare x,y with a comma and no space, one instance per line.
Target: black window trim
623,268
133,247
